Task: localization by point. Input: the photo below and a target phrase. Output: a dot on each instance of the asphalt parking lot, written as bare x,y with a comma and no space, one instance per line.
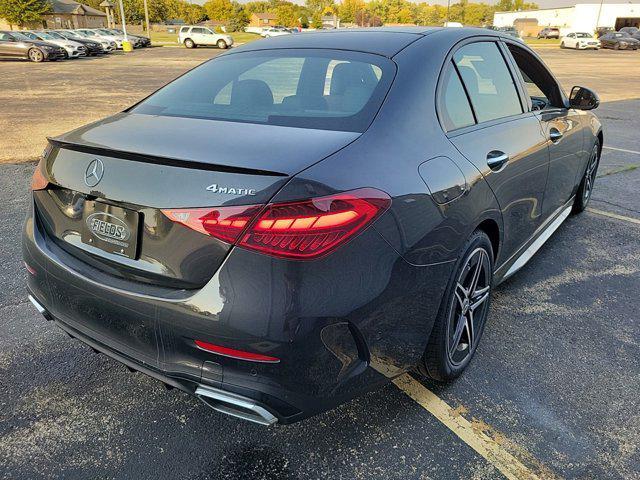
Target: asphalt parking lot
552,392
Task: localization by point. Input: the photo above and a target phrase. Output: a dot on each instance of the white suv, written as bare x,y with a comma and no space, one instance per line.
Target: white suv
191,37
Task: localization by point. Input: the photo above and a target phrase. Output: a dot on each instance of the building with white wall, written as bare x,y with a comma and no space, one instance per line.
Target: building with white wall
582,17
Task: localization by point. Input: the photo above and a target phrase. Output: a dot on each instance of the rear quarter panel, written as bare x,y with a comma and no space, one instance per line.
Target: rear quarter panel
427,236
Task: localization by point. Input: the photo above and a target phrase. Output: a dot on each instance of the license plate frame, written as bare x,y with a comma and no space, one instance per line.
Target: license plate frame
110,228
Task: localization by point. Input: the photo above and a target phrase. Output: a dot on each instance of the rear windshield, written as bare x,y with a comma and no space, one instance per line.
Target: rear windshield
321,89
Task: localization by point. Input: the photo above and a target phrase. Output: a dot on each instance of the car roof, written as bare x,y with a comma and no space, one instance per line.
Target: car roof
385,41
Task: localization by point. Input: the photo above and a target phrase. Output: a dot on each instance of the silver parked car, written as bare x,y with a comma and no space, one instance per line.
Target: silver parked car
72,49
107,45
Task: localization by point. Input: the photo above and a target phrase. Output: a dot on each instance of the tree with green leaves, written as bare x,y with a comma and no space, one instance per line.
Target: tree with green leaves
23,12
348,9
221,10
318,6
316,20
287,15
239,19
256,7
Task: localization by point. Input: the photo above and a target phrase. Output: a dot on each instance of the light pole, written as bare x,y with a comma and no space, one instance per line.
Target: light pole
598,19
126,45
448,7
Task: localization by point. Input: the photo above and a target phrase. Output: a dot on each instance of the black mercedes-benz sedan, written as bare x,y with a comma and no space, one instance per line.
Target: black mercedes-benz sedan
306,217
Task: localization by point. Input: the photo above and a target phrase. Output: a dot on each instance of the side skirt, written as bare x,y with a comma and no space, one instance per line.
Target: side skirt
519,261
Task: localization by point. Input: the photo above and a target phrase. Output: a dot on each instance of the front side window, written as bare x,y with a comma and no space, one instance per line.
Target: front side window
488,81
453,105
541,86
323,89
197,30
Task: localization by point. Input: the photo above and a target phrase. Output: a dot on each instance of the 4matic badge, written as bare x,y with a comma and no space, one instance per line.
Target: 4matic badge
215,188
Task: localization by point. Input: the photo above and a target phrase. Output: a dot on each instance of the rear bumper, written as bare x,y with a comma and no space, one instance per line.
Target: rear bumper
340,326
220,400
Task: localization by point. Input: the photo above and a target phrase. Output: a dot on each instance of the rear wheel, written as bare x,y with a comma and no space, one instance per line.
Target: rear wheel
586,185
36,55
189,43
463,313
222,44
562,45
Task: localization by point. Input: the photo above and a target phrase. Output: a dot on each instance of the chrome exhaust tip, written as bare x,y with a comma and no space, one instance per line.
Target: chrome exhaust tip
43,311
234,405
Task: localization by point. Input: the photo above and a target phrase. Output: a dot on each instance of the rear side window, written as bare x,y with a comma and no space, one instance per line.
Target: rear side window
323,89
488,81
454,106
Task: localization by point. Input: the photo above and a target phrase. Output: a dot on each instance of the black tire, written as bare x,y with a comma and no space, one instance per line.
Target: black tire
445,357
222,44
36,55
562,45
189,43
585,190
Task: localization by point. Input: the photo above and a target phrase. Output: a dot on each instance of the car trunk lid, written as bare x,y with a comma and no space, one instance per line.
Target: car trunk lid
111,188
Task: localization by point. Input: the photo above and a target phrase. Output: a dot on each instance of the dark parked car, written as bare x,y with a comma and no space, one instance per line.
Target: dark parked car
600,31
549,33
301,220
140,40
619,41
93,48
511,31
15,44
629,30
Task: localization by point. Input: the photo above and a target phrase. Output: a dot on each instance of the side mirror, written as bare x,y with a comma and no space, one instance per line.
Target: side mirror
582,98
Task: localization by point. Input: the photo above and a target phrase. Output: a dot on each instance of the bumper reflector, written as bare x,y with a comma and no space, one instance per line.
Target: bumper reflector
233,353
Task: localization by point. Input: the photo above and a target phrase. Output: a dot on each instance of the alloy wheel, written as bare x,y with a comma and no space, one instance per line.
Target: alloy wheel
590,174
35,55
469,309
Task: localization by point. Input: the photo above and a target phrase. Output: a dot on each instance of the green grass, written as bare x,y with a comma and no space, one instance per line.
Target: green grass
541,41
238,37
244,37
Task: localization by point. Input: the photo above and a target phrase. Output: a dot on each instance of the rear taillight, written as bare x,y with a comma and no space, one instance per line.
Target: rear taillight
304,229
39,180
225,223
311,228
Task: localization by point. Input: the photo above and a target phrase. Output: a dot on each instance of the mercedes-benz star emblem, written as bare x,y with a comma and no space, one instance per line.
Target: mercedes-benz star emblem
94,172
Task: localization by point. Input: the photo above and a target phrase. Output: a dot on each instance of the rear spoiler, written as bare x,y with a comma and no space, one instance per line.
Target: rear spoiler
159,160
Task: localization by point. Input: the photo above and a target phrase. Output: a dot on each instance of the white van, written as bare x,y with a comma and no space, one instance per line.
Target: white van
192,36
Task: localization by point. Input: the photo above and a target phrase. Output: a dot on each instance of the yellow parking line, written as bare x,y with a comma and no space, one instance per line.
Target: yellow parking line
621,150
470,433
614,215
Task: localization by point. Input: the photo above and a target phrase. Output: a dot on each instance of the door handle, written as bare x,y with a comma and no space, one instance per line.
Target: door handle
496,159
555,135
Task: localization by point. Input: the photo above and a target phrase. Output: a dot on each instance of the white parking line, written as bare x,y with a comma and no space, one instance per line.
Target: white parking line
614,215
470,433
621,150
